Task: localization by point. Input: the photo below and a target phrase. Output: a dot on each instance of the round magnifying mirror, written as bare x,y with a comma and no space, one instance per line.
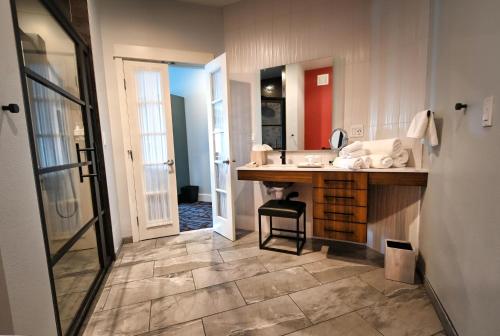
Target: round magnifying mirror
338,139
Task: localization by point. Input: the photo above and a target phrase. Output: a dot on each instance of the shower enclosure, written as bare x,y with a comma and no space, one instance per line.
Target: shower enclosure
67,156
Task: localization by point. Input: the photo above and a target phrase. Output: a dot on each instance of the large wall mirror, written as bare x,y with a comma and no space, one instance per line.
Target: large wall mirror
298,110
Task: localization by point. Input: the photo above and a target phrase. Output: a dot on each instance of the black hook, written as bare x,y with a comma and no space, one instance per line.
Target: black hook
13,108
460,106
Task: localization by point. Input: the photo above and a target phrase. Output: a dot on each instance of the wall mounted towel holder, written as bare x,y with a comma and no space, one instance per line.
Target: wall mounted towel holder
460,106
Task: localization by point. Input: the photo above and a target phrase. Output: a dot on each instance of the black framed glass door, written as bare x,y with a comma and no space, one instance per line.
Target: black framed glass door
68,163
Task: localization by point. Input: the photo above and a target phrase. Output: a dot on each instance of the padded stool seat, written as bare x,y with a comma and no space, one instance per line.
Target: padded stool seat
284,209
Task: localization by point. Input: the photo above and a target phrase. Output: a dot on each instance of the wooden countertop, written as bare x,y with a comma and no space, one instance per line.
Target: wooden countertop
290,173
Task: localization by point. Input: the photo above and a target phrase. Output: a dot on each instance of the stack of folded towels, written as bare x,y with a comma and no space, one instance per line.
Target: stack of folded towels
373,154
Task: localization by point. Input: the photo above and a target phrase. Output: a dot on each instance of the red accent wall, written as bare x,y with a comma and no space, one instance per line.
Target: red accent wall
318,104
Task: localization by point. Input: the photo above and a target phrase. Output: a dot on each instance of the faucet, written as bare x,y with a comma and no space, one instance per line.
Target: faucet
283,156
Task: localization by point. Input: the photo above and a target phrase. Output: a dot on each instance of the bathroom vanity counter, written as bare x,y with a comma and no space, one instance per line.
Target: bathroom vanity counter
292,173
340,197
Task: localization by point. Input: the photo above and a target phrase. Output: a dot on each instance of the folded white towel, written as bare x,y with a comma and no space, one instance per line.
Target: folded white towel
367,161
354,163
380,161
400,160
355,146
385,146
352,155
423,125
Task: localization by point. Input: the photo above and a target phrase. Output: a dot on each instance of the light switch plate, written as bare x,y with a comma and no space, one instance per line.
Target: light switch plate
357,131
488,105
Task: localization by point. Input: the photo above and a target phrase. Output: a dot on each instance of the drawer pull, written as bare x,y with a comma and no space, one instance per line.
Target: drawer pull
340,231
341,197
340,213
345,181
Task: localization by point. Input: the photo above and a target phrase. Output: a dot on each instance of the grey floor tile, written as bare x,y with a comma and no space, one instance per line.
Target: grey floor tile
346,325
69,304
214,243
193,328
148,289
242,251
102,300
131,272
271,285
188,306
186,263
410,313
74,283
277,261
129,320
185,237
278,316
144,245
164,252
376,278
328,270
336,298
235,270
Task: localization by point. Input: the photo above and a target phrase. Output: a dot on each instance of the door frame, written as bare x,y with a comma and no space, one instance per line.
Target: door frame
123,53
88,100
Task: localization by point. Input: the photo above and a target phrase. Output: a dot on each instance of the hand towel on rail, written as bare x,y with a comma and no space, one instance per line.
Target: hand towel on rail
423,126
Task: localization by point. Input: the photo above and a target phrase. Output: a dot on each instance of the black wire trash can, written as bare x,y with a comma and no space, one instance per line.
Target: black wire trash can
189,194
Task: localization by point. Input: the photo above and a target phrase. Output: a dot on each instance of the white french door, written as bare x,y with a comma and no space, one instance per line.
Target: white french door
220,147
152,154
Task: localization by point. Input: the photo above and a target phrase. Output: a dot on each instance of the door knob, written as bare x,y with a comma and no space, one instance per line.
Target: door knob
228,161
170,162
12,108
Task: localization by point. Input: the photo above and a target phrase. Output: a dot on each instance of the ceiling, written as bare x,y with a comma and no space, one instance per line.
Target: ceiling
213,3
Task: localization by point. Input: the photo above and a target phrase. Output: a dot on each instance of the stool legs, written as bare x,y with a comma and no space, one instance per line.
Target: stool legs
260,230
298,236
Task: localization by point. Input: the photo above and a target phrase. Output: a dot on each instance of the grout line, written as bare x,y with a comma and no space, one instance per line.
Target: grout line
150,313
239,290
307,318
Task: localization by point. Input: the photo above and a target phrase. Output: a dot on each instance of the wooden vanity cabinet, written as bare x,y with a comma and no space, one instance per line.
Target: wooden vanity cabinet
340,201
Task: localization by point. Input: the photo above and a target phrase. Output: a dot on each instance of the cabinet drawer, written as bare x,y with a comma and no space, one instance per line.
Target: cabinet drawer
344,213
341,180
341,196
354,232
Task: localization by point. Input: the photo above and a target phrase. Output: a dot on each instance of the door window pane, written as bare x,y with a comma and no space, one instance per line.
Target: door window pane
47,49
74,274
58,126
153,133
67,205
221,204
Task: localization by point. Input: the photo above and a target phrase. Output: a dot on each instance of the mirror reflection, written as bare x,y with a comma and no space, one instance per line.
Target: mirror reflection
297,110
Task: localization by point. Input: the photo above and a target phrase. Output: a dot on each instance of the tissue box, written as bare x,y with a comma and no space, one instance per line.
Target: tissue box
259,157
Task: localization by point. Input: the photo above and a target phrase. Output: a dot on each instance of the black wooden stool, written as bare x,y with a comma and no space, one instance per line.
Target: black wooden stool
286,209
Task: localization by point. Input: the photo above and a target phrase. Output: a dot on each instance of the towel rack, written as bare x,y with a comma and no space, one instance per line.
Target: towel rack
429,113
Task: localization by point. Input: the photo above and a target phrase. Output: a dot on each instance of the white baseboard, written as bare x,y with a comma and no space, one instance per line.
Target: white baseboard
205,197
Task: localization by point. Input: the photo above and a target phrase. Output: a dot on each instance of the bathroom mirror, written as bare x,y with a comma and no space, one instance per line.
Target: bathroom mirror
338,139
301,104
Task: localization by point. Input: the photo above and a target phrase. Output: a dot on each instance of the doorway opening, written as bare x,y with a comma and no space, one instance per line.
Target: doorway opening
188,99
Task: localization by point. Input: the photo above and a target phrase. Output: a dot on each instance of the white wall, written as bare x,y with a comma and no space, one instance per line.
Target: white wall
21,241
460,231
160,24
104,116
190,83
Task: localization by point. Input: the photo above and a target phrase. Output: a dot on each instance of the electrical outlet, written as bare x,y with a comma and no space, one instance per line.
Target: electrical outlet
357,131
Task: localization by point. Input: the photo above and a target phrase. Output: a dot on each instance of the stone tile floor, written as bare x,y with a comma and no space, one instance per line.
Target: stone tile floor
199,283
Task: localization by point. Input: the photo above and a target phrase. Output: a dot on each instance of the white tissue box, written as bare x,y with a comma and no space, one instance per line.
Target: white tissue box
259,157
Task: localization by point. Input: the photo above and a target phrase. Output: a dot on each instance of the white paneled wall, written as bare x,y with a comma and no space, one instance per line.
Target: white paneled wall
381,50
264,33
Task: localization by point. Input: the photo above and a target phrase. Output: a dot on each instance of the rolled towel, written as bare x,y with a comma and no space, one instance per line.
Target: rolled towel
352,155
367,161
400,160
354,163
385,146
355,146
380,161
